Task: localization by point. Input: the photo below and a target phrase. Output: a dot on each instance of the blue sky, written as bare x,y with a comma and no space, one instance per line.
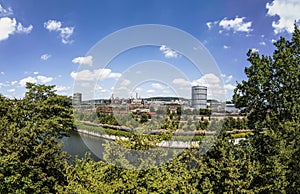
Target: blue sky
47,42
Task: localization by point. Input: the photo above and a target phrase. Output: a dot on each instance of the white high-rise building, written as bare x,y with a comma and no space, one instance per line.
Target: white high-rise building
199,97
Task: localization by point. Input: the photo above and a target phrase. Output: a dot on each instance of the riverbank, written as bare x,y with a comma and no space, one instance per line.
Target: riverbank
165,144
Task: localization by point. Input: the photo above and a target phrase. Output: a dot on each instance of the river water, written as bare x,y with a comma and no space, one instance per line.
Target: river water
78,144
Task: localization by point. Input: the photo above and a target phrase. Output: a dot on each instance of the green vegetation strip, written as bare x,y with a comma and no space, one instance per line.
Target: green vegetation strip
120,133
241,135
103,131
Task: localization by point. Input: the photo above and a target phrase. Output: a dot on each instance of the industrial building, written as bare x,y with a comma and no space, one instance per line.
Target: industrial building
77,98
199,97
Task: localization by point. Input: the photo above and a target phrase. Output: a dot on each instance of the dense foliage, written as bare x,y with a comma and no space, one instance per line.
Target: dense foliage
31,159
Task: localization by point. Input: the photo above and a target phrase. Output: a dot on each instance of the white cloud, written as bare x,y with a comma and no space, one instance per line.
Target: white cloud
157,86
168,52
7,27
88,60
227,78
39,78
64,32
3,85
61,90
13,83
5,12
237,25
45,57
11,90
263,43
226,47
229,86
125,82
181,82
10,26
36,72
206,80
2,73
101,74
44,79
254,50
21,29
52,25
29,79
288,12
150,91
211,24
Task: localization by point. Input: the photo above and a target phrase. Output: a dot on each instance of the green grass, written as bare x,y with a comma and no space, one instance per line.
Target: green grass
241,135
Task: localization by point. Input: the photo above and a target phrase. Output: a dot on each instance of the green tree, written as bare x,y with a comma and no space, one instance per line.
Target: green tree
144,118
31,159
272,100
272,88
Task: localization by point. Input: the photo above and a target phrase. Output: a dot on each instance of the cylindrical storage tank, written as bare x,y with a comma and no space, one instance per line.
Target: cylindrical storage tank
199,97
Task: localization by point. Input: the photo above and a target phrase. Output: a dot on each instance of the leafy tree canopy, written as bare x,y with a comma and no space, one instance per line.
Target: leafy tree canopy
272,88
31,159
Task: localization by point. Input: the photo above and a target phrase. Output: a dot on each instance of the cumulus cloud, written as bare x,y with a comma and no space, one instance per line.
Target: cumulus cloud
7,27
237,25
227,79
10,26
64,32
211,24
206,80
11,90
29,79
13,83
229,86
288,12
88,60
5,12
62,90
21,29
44,79
40,79
3,85
254,50
150,91
181,82
101,74
168,52
45,57
125,82
157,86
